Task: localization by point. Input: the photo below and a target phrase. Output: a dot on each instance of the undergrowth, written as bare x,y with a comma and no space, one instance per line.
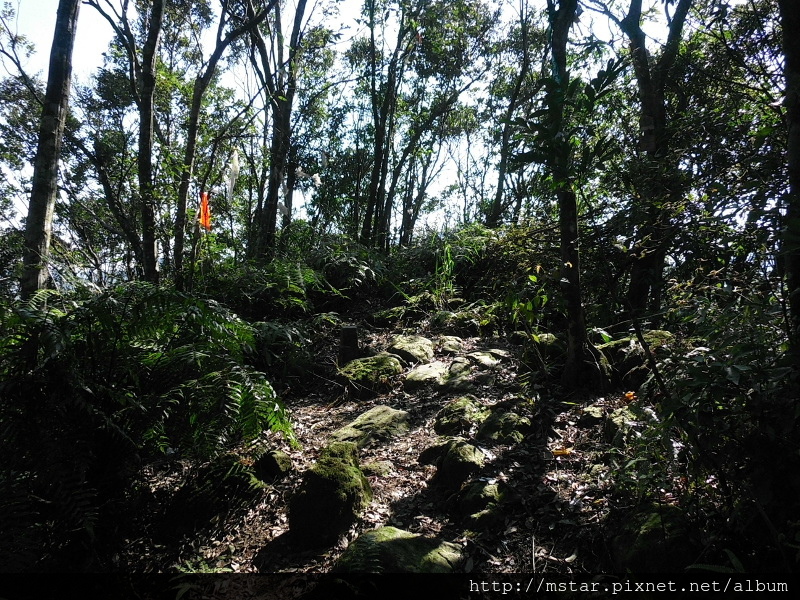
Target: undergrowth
94,389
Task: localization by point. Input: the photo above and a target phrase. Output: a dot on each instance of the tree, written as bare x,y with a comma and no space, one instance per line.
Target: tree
38,227
201,83
142,79
581,365
659,191
279,77
515,97
790,22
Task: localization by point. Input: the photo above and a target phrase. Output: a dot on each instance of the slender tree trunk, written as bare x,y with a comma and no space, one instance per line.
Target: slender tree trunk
282,86
496,207
193,130
146,129
39,224
384,109
581,367
790,23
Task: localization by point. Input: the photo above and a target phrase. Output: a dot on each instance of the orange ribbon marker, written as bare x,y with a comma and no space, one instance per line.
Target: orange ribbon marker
205,211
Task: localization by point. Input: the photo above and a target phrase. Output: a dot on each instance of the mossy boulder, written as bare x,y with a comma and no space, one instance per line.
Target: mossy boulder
485,359
273,465
460,322
628,359
591,416
458,376
333,493
392,550
458,460
378,423
430,374
371,373
460,415
504,427
412,348
451,344
481,494
378,468
654,539
550,346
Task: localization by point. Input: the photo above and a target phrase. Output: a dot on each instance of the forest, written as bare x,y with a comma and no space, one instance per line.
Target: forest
417,286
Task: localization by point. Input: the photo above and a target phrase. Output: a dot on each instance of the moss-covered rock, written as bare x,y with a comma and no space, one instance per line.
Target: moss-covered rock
379,468
457,463
459,323
483,358
273,465
378,423
591,416
550,346
413,348
654,539
451,344
430,374
618,426
392,550
480,495
504,427
487,520
346,451
460,415
331,496
627,357
458,376
371,373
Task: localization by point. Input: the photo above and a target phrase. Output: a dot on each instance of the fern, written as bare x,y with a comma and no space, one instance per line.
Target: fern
93,389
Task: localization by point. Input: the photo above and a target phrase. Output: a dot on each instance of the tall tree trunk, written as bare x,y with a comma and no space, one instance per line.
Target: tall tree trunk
384,108
790,23
660,189
282,86
146,131
39,224
581,366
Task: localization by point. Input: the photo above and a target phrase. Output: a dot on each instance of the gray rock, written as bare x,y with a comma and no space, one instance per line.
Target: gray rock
413,348
430,374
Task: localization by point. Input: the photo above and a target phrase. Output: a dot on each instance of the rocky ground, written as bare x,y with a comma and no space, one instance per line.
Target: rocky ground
538,498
